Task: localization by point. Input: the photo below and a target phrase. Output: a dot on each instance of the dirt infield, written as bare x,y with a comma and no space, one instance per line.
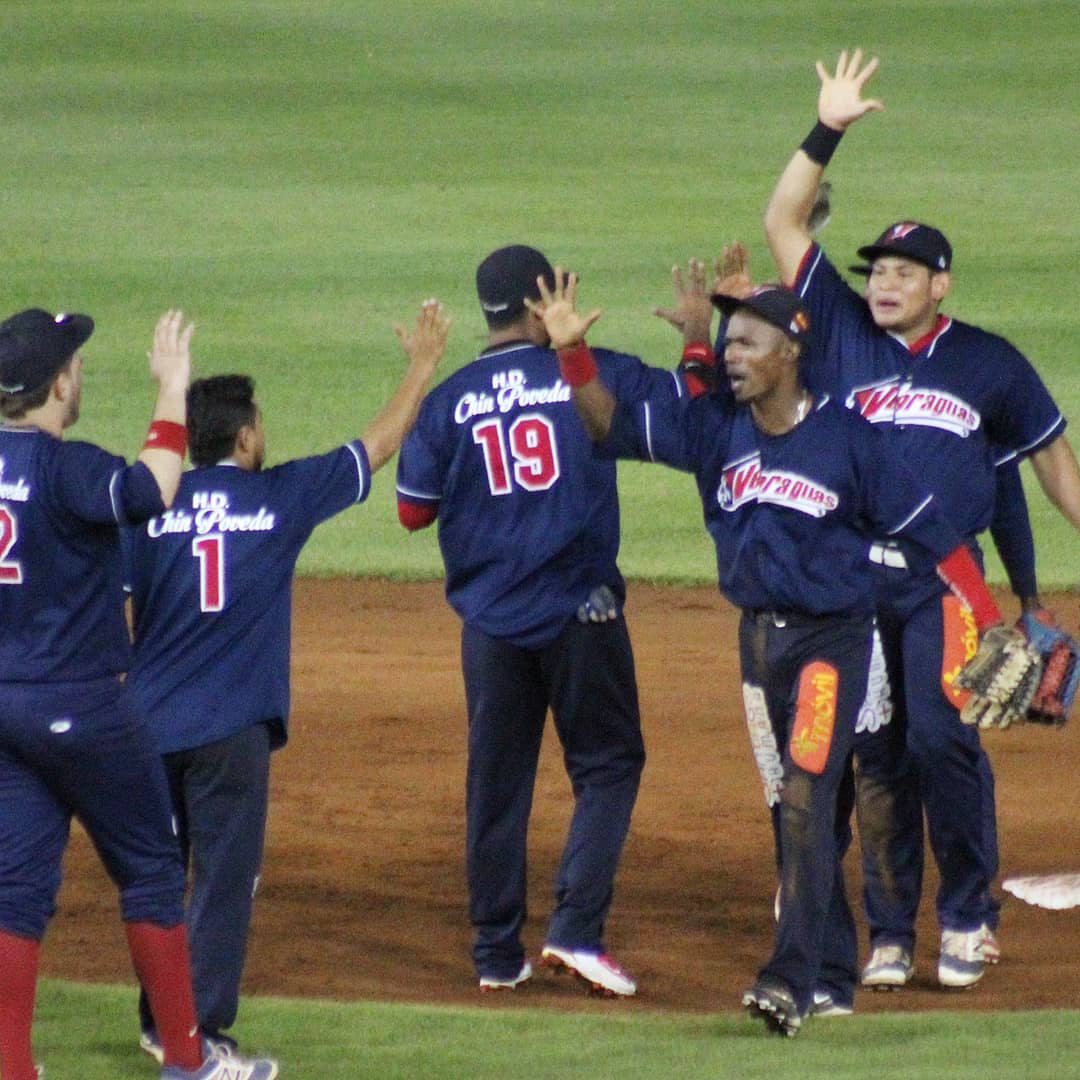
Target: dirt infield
363,890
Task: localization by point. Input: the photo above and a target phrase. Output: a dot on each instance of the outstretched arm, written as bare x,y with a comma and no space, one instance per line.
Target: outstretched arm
567,328
840,104
424,345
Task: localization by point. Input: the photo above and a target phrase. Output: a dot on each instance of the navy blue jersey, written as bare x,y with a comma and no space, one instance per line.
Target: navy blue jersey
962,402
211,588
791,515
61,596
528,512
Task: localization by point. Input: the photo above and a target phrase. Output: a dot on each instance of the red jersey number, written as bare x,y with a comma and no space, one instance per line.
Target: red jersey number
531,441
10,569
210,551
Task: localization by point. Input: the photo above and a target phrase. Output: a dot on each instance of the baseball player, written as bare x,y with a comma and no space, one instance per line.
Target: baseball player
791,485
953,400
211,583
72,742
528,527
891,855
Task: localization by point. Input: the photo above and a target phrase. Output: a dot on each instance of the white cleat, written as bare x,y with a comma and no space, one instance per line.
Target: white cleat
512,982
961,963
889,968
599,970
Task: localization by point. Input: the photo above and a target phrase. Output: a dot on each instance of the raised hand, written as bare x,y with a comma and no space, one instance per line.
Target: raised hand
425,343
733,271
840,100
693,310
558,310
170,355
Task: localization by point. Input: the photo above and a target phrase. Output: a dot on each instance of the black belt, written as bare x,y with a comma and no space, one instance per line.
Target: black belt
780,619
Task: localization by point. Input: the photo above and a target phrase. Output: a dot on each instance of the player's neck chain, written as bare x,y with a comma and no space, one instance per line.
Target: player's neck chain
802,408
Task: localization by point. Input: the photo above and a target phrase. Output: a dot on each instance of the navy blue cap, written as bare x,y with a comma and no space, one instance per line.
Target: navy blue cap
35,345
909,240
775,304
506,277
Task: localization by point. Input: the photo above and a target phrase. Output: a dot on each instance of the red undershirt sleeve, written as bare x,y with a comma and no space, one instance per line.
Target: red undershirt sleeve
416,515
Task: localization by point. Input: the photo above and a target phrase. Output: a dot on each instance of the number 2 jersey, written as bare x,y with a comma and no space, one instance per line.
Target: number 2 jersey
528,512
211,590
61,599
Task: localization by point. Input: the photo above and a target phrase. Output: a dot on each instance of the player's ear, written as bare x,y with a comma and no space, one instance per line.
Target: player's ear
245,437
62,384
939,285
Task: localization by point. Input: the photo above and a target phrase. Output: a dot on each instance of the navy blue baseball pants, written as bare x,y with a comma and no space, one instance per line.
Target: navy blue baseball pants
219,792
926,758
586,676
804,680
81,749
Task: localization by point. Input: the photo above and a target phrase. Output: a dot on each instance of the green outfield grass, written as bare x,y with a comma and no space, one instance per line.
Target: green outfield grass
299,173
89,1033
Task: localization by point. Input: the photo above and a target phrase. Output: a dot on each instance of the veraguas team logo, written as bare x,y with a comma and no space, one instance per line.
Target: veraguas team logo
745,481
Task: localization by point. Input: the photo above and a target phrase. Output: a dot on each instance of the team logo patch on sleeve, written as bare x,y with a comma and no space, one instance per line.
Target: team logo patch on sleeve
815,716
960,642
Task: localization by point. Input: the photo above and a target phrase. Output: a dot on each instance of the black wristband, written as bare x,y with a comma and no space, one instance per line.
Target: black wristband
821,143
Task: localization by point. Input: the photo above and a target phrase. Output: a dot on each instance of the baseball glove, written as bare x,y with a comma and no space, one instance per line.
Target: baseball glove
1002,677
1060,679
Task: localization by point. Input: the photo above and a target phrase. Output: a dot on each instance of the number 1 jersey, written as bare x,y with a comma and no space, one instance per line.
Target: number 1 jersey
211,589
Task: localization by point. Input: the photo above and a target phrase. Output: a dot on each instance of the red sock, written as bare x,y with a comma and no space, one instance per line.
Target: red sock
18,985
163,965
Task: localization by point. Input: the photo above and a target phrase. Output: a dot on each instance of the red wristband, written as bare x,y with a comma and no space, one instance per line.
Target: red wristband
166,435
961,573
701,351
577,365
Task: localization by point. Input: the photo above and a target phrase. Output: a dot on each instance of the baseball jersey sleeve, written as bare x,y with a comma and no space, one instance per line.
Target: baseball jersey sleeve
661,428
420,464
316,488
96,486
1021,416
840,323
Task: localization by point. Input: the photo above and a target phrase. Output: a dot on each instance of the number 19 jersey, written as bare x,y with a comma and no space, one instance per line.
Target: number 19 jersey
528,512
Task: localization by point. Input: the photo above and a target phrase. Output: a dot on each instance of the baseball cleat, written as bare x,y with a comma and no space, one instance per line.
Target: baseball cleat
961,962
213,1045
150,1044
225,1067
988,945
604,976
889,968
770,1000
511,982
826,1005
